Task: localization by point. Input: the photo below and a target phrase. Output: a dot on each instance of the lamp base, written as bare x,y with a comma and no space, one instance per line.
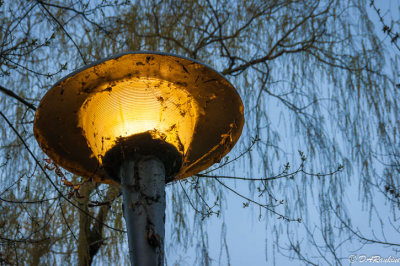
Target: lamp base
139,146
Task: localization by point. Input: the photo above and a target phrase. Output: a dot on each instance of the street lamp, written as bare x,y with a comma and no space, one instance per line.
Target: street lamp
140,120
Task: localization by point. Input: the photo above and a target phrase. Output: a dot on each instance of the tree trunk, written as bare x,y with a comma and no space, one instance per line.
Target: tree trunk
84,225
91,230
143,189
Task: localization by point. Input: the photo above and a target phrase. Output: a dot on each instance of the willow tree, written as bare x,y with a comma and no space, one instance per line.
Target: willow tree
313,76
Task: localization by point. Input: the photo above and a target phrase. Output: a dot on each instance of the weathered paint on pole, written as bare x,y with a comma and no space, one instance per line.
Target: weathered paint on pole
143,189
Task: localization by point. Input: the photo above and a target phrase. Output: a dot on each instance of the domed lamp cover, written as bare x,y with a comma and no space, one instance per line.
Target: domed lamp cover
147,103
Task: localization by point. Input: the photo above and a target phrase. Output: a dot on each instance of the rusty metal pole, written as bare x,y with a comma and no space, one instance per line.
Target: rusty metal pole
143,189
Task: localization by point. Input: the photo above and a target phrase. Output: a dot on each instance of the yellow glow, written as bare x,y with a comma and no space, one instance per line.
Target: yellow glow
131,106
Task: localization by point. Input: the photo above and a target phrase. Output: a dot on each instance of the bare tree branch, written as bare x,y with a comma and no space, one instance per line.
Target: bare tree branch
15,96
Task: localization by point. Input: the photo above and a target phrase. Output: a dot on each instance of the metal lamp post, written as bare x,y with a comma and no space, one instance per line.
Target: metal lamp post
139,120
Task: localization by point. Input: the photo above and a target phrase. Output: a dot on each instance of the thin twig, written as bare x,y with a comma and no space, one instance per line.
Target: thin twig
280,216
64,30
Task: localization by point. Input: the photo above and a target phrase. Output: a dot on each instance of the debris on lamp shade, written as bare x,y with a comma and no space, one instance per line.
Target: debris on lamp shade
185,111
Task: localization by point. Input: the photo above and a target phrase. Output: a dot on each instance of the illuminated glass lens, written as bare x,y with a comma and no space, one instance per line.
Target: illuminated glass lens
127,107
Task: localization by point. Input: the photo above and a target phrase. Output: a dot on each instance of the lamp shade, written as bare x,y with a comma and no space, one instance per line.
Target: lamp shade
150,103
